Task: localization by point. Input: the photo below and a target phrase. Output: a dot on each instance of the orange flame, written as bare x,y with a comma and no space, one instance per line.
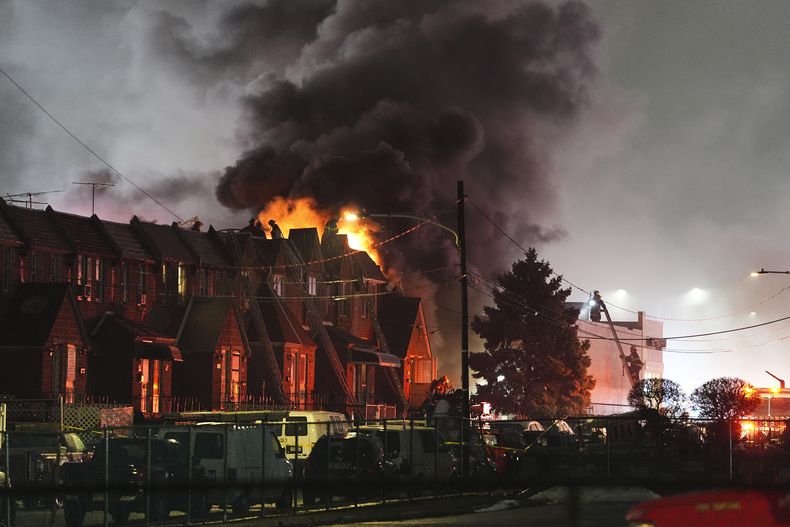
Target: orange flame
304,212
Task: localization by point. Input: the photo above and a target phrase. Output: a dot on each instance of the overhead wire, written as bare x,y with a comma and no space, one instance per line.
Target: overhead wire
648,315
519,304
86,147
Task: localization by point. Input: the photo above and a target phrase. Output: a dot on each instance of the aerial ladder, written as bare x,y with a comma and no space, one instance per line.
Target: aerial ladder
632,363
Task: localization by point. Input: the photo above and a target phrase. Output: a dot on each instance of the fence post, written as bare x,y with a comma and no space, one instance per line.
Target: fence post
106,476
9,499
148,478
190,469
297,471
608,451
225,475
411,458
262,489
386,459
729,434
356,469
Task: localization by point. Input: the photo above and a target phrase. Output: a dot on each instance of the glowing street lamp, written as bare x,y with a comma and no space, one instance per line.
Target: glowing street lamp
763,271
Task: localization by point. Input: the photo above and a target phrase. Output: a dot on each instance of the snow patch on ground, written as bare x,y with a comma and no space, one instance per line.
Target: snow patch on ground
602,494
500,506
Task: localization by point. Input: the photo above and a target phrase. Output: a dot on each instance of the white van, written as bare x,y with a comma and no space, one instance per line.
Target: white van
298,430
419,453
249,459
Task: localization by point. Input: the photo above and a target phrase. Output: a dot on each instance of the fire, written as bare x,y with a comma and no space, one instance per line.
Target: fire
304,212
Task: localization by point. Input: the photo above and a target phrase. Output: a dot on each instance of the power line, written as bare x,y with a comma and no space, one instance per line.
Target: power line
610,304
519,304
85,146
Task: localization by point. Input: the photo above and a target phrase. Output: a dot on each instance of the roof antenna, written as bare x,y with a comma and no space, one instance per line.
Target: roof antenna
93,185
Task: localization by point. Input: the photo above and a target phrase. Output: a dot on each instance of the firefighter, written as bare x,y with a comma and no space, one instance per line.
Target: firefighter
277,233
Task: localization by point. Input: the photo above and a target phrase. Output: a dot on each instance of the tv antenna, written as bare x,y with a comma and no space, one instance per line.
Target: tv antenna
28,201
93,185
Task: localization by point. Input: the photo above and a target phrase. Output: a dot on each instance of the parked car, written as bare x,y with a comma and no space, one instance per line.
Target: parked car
506,450
128,460
349,465
420,455
249,459
717,508
36,459
7,517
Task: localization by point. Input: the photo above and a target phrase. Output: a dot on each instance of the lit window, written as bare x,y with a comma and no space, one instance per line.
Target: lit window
312,285
277,284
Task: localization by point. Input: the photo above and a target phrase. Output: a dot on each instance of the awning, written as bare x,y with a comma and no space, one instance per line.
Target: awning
157,350
376,358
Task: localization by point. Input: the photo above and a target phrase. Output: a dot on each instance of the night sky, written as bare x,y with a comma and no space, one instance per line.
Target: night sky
638,145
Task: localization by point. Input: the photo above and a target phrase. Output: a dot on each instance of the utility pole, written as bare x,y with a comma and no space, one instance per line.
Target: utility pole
93,185
465,423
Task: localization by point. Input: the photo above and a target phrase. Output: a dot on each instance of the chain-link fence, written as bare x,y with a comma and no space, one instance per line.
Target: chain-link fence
206,472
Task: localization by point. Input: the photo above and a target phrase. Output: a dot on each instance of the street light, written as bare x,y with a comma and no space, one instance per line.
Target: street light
460,243
413,217
763,271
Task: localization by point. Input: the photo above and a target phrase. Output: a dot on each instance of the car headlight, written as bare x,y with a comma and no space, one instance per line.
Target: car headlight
641,524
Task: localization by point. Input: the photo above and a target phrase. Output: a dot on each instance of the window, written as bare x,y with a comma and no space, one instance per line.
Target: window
8,267
209,445
277,284
181,281
98,279
230,376
22,271
71,371
343,309
34,267
312,285
206,282
296,426
54,268
124,282
140,281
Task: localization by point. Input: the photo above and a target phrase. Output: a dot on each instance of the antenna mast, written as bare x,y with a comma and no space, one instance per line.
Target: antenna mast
93,185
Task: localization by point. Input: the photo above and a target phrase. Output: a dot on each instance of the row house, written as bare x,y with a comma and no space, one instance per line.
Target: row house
165,317
403,322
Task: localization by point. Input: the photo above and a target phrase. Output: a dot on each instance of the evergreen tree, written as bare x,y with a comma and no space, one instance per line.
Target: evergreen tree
534,364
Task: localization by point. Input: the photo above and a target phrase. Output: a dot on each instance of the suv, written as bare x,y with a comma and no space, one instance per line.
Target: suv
352,464
169,479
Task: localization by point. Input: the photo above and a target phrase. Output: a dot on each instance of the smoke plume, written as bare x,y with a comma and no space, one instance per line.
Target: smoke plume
387,104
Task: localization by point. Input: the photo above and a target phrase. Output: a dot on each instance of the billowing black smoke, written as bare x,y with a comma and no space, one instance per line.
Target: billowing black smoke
387,104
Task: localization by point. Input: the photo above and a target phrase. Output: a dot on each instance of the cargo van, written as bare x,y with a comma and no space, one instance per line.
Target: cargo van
249,459
298,431
419,453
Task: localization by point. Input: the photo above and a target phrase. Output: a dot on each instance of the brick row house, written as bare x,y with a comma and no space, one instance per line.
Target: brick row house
167,318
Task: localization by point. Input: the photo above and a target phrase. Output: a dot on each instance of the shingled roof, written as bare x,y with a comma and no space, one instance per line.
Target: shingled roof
8,236
209,252
33,312
162,241
38,229
397,316
125,238
203,322
280,322
307,243
85,233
